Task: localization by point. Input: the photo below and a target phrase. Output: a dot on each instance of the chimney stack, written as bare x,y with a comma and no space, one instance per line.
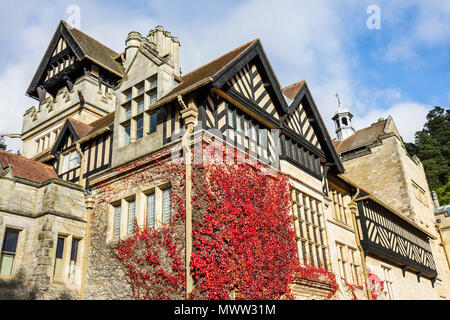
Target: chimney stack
132,45
167,45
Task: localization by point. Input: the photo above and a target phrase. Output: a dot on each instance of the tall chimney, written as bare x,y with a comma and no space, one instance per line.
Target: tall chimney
166,44
132,45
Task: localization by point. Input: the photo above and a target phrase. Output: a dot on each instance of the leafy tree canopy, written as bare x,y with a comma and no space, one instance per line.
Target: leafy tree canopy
432,146
2,143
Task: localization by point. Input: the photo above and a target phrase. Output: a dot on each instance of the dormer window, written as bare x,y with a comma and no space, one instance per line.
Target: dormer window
70,161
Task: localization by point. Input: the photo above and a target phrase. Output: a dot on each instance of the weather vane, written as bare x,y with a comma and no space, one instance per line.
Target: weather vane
339,101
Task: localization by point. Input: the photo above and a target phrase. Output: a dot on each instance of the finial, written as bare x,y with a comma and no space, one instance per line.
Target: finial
339,101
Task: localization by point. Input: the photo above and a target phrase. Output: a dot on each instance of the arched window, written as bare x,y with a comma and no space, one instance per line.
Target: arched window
338,125
344,121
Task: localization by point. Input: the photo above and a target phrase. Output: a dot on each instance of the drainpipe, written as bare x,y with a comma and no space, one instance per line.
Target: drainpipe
90,202
353,209
189,115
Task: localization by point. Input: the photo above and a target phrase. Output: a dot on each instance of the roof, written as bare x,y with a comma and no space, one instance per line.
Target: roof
25,168
361,137
96,51
384,204
207,71
83,47
292,90
80,128
101,123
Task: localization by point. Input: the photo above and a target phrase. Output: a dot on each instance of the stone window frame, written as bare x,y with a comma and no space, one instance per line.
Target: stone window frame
19,247
340,209
65,276
349,264
144,91
141,210
67,154
312,240
388,282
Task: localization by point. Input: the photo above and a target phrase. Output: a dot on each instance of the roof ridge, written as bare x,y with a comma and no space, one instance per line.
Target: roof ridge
223,55
27,159
294,84
70,28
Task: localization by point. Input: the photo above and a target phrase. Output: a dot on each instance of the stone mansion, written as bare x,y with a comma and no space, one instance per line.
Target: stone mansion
359,202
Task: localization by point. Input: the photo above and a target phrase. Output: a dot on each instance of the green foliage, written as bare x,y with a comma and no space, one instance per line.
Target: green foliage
2,143
432,146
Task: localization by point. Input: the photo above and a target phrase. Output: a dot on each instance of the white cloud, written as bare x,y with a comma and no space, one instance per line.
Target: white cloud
303,40
409,117
428,26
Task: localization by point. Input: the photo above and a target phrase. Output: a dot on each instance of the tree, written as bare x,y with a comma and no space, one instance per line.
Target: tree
2,143
432,146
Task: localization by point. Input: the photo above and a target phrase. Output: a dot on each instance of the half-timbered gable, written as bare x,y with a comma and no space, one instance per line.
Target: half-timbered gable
83,149
249,84
390,236
69,55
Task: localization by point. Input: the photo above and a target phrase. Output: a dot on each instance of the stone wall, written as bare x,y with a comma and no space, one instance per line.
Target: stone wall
106,278
41,212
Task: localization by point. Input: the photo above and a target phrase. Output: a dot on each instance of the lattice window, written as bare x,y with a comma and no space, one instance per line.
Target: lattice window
167,205
117,218
311,229
341,211
151,210
388,282
131,215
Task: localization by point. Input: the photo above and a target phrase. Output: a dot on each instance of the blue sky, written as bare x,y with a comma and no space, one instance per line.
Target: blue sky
402,69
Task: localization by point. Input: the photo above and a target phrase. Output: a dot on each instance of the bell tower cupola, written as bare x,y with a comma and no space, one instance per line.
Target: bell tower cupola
343,122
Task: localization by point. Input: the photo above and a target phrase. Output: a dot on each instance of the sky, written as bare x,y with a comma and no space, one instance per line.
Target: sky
381,57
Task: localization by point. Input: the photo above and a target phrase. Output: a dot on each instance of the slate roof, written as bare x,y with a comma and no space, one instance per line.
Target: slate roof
206,72
26,168
96,51
360,138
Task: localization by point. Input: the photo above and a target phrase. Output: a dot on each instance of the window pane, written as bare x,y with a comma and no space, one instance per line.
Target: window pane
65,163
154,84
246,125
60,247
10,241
74,251
167,205
140,106
117,213
127,135
153,122
151,210
231,122
139,128
153,99
253,131
6,264
238,123
127,112
131,215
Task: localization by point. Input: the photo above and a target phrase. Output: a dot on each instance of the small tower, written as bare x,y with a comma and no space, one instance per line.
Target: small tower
343,122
